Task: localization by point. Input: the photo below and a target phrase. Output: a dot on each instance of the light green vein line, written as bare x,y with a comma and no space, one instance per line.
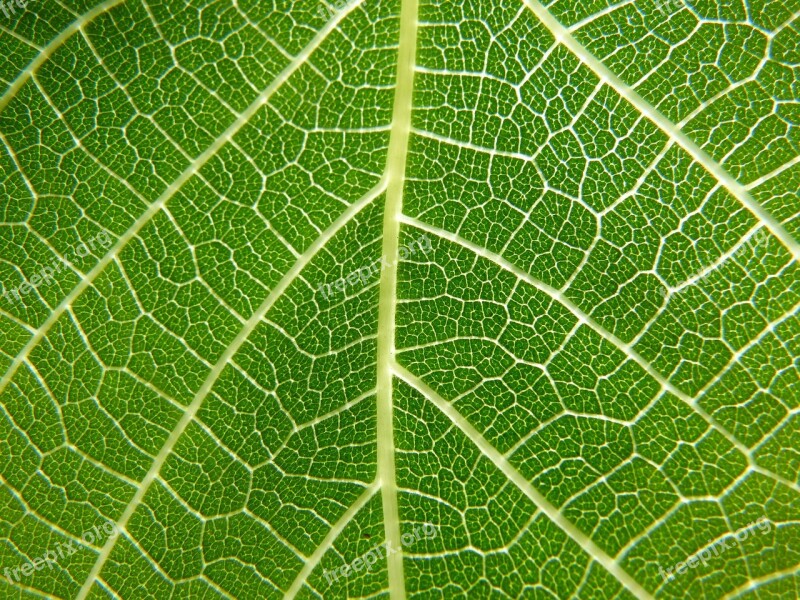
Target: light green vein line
592,549
624,347
736,189
168,193
22,39
326,544
54,44
215,372
395,173
753,584
772,175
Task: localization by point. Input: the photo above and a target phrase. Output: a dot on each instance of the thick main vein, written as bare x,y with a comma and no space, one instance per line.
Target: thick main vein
395,173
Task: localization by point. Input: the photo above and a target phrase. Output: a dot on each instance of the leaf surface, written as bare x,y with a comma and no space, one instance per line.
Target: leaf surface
400,298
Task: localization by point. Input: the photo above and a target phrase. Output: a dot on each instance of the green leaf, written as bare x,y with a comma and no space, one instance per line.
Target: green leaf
400,298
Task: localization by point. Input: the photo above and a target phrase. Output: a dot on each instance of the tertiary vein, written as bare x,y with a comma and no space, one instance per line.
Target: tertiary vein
168,193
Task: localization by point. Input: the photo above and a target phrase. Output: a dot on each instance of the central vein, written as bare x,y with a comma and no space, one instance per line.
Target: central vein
395,170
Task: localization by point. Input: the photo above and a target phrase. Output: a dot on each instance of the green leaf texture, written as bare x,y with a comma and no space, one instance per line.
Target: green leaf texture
286,282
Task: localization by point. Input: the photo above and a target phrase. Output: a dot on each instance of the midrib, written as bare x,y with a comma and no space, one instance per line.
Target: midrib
395,170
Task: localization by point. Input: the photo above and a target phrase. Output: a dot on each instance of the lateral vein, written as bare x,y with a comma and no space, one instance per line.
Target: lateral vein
624,347
215,372
499,461
168,193
313,560
51,47
563,36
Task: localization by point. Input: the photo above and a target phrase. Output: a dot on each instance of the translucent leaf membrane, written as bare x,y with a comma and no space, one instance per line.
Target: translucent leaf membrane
398,299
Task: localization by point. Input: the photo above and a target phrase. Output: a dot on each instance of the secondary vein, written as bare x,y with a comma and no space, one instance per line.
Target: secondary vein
736,189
